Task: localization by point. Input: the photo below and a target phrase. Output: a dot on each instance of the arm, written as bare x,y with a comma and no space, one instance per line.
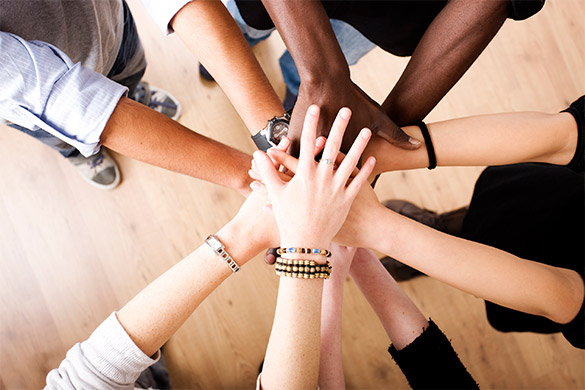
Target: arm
496,139
42,88
210,33
400,317
292,356
312,43
144,134
421,350
331,363
486,272
120,349
453,41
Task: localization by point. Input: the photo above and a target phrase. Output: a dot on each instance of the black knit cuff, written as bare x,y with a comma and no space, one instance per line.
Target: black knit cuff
430,362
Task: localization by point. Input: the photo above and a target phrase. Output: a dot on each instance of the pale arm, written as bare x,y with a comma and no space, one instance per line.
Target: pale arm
400,317
495,139
486,272
156,313
210,33
146,135
331,363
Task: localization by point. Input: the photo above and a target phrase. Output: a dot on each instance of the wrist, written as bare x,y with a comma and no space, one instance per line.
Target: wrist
240,241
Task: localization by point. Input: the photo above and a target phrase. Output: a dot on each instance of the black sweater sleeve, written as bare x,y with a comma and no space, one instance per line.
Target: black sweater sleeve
430,362
576,109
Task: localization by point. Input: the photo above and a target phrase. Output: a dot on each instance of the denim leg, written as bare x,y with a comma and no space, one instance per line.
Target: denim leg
53,142
353,45
252,35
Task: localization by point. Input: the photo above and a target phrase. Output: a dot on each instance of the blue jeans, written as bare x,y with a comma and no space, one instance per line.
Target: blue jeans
127,49
353,44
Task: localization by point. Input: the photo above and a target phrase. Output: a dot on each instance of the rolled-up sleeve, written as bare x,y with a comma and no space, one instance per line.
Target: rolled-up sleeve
41,88
163,11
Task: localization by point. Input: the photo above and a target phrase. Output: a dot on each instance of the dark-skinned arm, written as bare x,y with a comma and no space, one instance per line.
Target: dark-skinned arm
453,41
325,76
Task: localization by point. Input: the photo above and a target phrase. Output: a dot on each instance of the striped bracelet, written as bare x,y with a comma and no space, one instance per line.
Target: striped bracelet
322,252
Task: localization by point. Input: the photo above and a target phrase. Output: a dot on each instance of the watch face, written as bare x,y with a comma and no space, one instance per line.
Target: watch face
278,131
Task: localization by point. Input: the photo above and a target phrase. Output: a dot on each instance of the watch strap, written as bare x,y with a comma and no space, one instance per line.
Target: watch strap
261,141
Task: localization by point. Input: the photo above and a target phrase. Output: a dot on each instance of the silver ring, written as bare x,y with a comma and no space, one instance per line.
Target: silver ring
326,161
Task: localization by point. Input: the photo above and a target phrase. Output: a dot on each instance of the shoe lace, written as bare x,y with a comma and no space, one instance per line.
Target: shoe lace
97,161
155,103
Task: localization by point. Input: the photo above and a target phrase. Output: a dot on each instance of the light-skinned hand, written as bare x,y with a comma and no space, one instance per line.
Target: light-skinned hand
311,207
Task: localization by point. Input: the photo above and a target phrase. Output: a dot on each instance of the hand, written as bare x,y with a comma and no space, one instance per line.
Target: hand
366,113
364,209
253,220
312,206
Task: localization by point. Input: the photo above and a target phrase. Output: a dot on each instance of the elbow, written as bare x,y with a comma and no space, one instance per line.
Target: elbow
569,301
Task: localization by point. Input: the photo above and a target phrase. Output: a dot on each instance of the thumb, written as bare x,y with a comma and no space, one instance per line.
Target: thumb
390,132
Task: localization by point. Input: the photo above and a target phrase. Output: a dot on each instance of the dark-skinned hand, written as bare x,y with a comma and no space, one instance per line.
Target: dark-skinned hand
366,113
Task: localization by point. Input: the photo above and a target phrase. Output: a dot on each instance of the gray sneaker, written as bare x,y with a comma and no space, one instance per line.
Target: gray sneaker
157,99
99,170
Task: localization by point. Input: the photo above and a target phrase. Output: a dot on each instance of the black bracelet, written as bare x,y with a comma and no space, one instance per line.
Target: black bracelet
429,144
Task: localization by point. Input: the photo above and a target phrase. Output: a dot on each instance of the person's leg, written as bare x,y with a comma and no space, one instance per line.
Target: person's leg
353,44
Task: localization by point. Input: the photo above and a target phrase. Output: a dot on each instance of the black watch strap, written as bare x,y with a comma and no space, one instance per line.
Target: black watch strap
261,141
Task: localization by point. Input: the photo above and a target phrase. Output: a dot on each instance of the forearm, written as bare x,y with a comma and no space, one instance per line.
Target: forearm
496,139
483,271
400,317
292,356
210,33
331,362
141,133
449,46
156,313
305,29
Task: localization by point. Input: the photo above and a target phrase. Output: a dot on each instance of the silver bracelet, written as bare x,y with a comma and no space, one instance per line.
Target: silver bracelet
219,250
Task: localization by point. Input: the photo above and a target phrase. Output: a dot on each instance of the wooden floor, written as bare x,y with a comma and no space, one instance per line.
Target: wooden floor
70,254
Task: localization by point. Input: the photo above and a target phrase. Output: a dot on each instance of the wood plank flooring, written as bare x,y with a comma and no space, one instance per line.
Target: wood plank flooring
70,254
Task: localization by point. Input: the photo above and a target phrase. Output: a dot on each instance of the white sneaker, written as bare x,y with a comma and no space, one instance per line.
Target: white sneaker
99,170
157,99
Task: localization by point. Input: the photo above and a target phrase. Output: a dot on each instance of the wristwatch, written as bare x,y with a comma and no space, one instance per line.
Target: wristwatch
271,135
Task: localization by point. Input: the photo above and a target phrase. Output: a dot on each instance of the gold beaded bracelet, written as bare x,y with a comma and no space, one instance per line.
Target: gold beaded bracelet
302,269
323,252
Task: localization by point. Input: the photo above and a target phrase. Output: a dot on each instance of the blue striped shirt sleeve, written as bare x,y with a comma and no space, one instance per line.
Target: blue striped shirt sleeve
41,88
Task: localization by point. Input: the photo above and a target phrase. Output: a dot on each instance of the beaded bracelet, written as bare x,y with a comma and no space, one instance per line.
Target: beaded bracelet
323,252
302,269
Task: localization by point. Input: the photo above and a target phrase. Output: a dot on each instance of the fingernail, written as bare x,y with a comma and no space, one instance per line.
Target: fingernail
413,141
320,142
345,113
366,133
372,160
314,110
255,185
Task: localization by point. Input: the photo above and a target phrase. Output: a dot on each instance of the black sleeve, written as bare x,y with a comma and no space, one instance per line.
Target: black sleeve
430,362
577,109
523,9
574,331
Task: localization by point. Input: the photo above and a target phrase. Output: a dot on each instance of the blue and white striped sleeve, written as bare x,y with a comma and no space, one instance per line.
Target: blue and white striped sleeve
163,11
41,88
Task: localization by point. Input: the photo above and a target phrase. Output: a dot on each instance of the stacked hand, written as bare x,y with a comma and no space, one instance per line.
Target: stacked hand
311,207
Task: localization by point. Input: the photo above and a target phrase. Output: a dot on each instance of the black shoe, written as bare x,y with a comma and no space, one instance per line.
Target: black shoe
205,74
449,223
